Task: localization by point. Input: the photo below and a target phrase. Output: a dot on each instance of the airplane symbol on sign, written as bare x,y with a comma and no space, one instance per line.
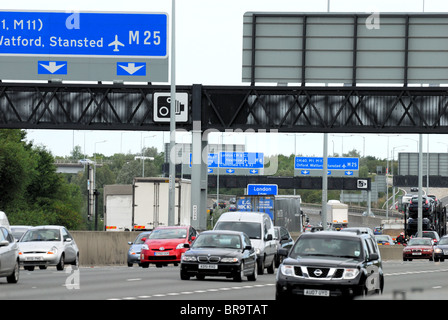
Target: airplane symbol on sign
116,43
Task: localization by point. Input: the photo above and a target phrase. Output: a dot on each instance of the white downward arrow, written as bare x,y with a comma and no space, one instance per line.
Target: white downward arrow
131,68
52,67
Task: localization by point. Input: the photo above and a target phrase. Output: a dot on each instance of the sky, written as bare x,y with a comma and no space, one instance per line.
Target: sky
209,52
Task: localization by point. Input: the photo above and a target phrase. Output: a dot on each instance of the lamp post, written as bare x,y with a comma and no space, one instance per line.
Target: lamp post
93,193
393,160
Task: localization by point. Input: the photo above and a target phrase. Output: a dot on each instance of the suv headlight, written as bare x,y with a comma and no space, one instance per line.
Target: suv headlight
437,250
287,270
350,273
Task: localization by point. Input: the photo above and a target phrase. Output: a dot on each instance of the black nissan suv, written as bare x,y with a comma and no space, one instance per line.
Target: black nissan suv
330,264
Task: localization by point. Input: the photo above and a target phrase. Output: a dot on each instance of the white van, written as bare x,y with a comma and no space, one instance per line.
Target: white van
260,229
4,222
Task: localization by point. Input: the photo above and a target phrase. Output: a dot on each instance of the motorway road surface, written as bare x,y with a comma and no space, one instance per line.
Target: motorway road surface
403,280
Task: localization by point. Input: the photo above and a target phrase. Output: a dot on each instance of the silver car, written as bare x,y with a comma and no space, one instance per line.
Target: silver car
44,246
136,248
9,256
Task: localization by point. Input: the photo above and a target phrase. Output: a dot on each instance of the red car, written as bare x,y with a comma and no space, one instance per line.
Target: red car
165,245
418,248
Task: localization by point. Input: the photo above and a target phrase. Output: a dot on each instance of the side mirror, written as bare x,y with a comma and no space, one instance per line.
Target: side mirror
186,245
283,252
4,243
248,247
143,239
374,256
268,237
68,240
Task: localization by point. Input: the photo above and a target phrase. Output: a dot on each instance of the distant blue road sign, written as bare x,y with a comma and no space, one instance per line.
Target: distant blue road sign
333,163
250,160
262,189
83,34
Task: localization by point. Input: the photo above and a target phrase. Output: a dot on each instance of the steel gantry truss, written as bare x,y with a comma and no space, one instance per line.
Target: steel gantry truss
282,109
285,109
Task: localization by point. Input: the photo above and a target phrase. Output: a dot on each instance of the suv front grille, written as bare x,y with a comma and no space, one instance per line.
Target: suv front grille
319,273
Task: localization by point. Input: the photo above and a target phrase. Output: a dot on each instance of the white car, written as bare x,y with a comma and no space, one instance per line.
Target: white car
44,246
9,256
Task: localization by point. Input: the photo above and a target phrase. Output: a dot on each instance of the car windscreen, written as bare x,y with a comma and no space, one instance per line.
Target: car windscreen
141,236
252,229
41,235
420,242
443,241
229,241
329,247
168,233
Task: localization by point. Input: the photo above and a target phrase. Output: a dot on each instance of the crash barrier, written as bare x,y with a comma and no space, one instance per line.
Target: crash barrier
99,248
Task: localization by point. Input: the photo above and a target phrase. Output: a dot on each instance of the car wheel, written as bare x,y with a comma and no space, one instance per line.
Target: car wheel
261,266
76,262
14,277
271,268
239,276
184,276
61,264
254,275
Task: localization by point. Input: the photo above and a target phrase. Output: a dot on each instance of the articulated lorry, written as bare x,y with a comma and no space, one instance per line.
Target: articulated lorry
144,204
151,203
337,215
118,207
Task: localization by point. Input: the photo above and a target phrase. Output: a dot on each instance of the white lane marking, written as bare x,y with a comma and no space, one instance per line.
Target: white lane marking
158,295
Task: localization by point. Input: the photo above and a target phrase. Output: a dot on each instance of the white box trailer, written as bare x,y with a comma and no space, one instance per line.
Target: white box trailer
151,203
118,207
337,214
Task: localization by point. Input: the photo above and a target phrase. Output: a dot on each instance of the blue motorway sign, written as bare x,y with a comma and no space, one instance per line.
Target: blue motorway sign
84,34
317,163
250,160
262,189
259,204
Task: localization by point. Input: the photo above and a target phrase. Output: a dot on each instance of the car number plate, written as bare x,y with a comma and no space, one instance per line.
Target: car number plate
208,266
416,253
161,253
319,293
34,259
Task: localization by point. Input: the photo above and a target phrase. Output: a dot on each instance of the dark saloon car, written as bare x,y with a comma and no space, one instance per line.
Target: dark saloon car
418,248
331,264
220,253
441,249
